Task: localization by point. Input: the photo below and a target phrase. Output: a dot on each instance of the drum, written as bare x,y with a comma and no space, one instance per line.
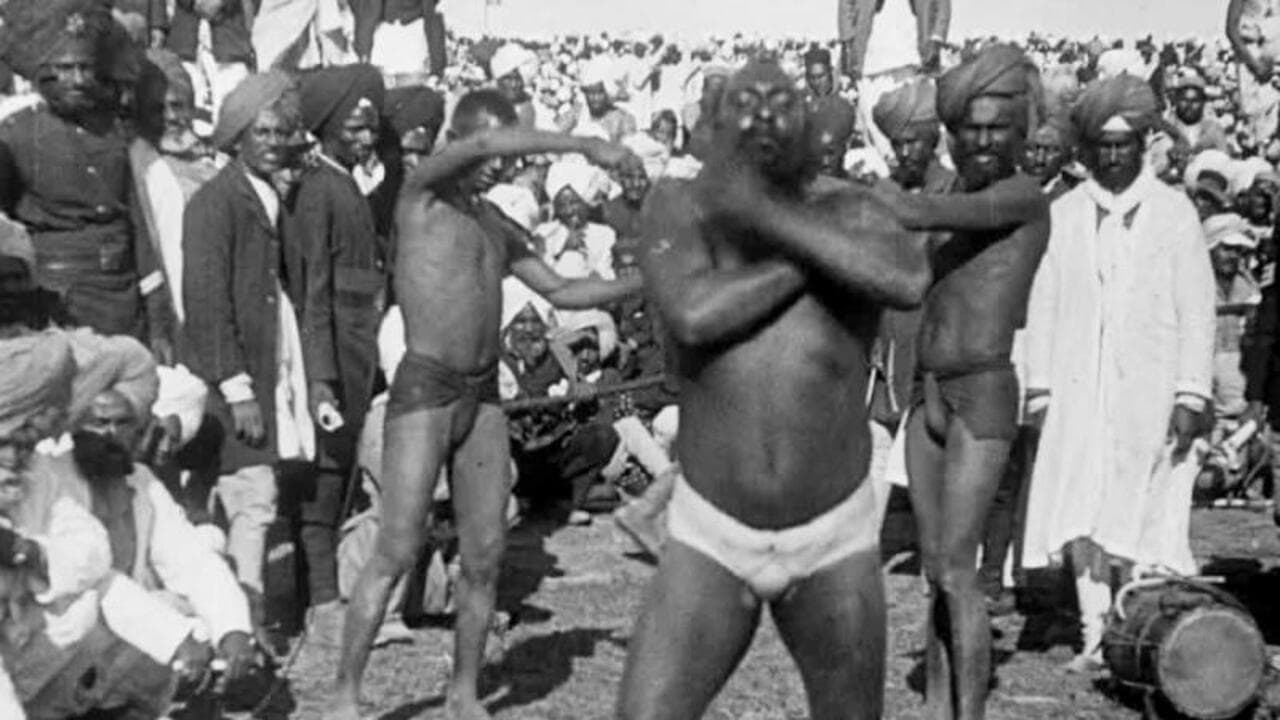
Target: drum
1192,642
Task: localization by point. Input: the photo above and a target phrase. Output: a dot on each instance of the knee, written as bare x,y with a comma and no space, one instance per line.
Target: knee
398,552
482,559
951,574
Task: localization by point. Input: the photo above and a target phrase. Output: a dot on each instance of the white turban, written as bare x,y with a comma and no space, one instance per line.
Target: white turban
510,57
516,296
516,202
606,329
1214,160
1245,172
598,70
587,180
1116,62
181,394
653,154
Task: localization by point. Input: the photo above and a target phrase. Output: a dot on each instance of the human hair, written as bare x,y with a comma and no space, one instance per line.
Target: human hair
477,102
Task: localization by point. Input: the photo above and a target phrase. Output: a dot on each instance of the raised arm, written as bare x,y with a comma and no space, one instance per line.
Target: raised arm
576,294
458,155
1005,204
833,239
699,303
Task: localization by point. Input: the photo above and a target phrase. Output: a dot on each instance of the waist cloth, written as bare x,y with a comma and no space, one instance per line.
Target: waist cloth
771,561
422,383
984,395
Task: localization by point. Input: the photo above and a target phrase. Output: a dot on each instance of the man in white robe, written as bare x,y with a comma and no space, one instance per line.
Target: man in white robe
1120,339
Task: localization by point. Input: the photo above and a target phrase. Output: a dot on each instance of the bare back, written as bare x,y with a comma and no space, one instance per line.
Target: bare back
448,281
773,423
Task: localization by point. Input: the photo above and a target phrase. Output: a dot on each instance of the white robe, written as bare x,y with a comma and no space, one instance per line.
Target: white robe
1120,323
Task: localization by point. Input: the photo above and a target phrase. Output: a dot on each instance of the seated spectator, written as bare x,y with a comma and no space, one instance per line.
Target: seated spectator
1209,194
622,214
572,244
416,115
554,446
1237,299
55,558
603,118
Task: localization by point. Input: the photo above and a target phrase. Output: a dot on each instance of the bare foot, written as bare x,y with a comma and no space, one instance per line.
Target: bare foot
458,709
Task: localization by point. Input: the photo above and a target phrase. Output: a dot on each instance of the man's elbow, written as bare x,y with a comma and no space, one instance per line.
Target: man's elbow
691,328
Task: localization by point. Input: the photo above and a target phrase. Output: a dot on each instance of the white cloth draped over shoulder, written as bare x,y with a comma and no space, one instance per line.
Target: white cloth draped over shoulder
1120,324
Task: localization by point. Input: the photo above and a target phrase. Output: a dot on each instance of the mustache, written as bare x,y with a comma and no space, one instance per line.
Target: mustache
100,457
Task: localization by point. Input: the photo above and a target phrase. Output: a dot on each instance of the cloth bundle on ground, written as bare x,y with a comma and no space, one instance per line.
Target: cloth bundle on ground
329,96
904,107
253,95
1122,102
33,32
998,70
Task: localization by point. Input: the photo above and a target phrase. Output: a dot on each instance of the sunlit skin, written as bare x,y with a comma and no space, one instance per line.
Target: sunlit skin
914,151
1046,154
1189,104
819,79
597,99
71,82
983,271
356,138
1115,159
570,209
264,146
989,142
758,345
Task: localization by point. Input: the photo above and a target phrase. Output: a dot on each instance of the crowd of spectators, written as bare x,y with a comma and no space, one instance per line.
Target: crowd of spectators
190,357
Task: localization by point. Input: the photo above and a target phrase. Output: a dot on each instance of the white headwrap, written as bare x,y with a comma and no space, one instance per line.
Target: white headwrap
517,202
510,57
653,154
1116,62
599,70
587,180
606,329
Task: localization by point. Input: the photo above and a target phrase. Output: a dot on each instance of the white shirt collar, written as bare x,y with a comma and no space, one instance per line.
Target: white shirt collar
267,194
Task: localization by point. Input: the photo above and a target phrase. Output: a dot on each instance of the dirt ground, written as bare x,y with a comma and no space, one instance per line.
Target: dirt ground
574,593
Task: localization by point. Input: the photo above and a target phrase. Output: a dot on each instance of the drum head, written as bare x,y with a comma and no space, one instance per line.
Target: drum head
1211,663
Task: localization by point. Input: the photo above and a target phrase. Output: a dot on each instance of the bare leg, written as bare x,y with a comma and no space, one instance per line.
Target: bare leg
834,625
973,471
416,446
925,468
697,623
480,490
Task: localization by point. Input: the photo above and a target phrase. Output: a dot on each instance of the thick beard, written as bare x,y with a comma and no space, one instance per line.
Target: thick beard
100,458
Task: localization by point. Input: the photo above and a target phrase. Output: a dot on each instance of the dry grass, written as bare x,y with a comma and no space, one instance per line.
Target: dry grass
575,593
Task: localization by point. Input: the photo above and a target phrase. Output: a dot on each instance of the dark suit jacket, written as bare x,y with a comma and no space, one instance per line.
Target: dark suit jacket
234,264
1259,362
231,38
856,18
342,285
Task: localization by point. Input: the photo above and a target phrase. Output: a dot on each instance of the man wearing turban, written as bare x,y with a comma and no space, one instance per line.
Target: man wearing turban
64,168
1119,344
964,418
908,117
416,115
603,118
1050,151
332,225
507,68
241,329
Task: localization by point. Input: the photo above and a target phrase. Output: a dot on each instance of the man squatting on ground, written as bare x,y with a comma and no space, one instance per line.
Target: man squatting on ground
965,411
454,249
771,287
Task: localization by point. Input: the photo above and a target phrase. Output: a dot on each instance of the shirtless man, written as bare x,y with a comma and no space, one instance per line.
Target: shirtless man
454,250
771,288
965,415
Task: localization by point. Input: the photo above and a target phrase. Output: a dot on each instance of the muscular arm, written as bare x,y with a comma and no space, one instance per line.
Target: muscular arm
832,239
699,303
461,154
578,294
1008,203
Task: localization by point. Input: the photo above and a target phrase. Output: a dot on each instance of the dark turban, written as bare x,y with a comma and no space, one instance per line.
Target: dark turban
414,107
1000,70
818,56
1123,96
32,32
1061,125
242,105
163,71
329,95
912,104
